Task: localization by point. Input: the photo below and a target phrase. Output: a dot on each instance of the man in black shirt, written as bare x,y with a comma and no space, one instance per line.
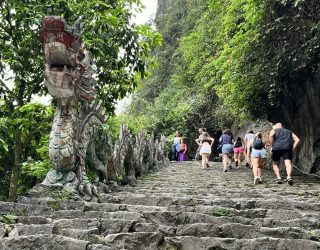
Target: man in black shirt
283,142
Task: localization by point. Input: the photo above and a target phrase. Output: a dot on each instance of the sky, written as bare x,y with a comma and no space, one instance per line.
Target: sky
148,12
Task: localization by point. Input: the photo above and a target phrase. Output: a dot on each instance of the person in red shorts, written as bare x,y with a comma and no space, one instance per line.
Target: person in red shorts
183,150
238,151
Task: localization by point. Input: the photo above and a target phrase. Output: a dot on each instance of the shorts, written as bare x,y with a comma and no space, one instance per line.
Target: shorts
286,154
227,149
205,149
238,150
259,153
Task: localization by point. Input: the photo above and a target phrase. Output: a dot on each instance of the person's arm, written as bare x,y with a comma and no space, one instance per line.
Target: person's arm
271,138
197,141
296,141
212,141
248,153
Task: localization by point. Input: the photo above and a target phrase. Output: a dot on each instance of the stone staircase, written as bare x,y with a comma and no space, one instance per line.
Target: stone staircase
177,207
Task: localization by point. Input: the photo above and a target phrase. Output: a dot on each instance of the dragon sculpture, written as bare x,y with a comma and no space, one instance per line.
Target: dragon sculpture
76,139
68,78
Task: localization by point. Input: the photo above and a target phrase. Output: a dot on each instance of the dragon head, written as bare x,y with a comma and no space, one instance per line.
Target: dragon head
68,74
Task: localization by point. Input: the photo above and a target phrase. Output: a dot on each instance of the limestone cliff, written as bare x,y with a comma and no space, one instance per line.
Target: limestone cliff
301,114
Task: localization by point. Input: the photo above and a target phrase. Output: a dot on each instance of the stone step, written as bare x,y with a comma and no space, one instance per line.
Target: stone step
178,207
135,240
44,241
237,203
21,230
19,209
199,243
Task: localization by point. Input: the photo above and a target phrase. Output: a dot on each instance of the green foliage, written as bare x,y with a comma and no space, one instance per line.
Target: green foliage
224,62
8,218
40,167
112,128
314,235
121,50
221,212
34,120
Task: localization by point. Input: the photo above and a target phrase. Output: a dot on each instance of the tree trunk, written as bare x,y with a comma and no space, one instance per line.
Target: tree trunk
16,166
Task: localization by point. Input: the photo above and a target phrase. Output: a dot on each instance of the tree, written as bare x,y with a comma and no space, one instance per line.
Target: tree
121,51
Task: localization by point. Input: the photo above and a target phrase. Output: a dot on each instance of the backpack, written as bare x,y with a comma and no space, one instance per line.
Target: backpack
257,144
238,144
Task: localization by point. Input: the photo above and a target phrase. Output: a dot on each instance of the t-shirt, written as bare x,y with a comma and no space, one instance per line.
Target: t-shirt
183,147
226,139
176,140
237,144
282,139
249,138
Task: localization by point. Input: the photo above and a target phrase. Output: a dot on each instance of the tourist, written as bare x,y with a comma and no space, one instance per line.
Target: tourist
248,139
258,157
176,146
238,151
283,143
226,140
205,149
183,150
198,141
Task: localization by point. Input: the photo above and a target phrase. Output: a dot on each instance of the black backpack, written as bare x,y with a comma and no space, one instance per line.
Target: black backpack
238,144
257,143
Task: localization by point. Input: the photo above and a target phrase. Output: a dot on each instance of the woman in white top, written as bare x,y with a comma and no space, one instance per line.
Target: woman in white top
205,149
176,146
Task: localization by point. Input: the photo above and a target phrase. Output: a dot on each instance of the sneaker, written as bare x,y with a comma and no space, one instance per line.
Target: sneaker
290,181
279,181
230,167
237,164
255,180
247,164
260,180
225,170
208,166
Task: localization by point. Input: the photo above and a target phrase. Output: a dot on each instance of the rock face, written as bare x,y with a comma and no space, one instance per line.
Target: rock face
177,207
301,114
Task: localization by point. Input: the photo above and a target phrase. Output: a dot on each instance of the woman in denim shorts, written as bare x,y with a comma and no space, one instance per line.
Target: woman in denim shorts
258,157
227,149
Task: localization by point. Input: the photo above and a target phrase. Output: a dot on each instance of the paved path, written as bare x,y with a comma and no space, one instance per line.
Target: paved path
177,207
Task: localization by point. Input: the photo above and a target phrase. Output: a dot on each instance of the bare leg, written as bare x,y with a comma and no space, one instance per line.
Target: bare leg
276,169
240,158
288,168
247,152
236,159
203,156
261,165
207,159
225,161
255,165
